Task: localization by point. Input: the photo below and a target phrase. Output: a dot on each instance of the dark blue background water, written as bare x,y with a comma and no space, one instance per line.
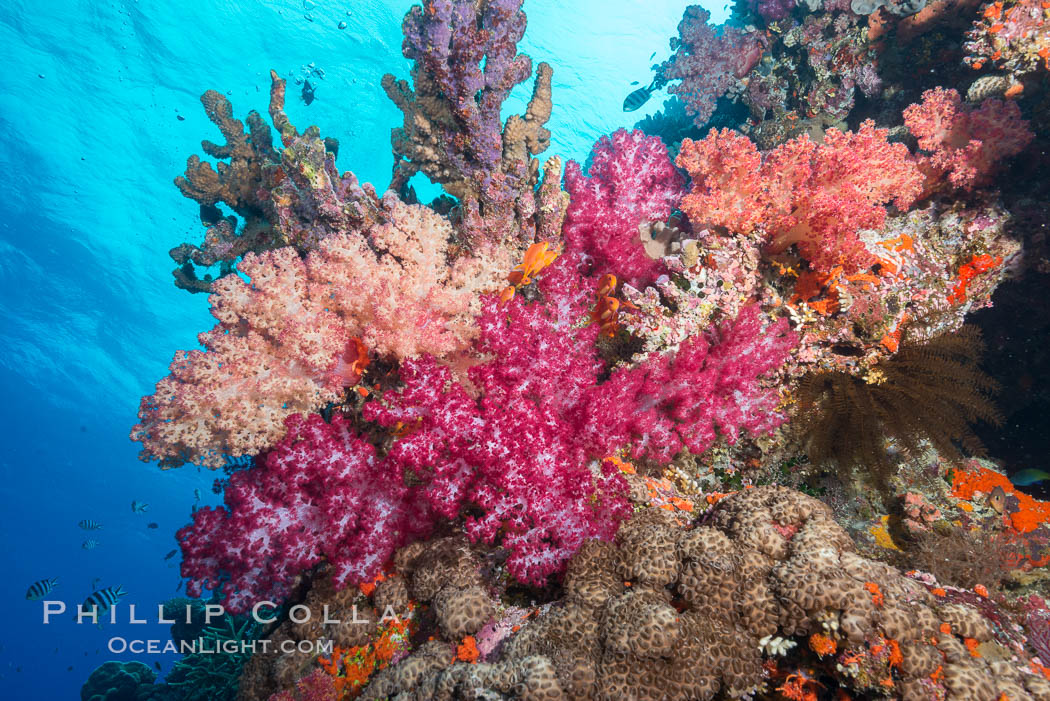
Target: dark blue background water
89,143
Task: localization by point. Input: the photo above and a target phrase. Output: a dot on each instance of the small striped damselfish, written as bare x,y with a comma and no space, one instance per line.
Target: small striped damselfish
102,601
38,590
89,525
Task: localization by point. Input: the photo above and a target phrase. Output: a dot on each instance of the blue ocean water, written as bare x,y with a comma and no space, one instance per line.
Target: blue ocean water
98,112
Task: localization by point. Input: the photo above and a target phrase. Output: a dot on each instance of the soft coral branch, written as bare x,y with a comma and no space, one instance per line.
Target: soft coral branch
815,196
964,145
631,181
321,491
710,386
282,339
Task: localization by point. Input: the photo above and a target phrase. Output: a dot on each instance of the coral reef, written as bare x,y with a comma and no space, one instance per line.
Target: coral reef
1011,36
711,386
320,491
243,184
125,681
533,442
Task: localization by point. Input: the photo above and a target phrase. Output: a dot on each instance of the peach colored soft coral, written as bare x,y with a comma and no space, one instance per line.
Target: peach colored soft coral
965,144
283,344
397,290
815,196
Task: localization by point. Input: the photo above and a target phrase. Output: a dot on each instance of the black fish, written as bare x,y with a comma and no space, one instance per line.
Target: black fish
640,96
38,590
179,587
637,98
155,664
171,554
153,524
634,82
308,92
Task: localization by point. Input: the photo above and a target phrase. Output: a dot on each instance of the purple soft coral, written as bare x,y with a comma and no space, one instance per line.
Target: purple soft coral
708,61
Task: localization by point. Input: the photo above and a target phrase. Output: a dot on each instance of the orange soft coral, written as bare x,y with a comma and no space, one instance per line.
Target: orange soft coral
467,651
822,644
815,196
1030,513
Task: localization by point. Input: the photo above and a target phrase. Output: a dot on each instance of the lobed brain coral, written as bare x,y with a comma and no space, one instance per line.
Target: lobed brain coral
691,611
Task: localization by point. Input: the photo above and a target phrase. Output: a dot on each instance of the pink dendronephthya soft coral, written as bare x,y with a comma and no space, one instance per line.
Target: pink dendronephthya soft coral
965,143
710,386
631,182
321,491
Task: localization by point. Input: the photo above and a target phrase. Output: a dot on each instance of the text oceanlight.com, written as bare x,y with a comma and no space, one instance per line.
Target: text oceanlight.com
207,646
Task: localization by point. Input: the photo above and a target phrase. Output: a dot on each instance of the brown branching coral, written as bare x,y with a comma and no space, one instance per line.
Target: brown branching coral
929,391
243,184
238,182
222,246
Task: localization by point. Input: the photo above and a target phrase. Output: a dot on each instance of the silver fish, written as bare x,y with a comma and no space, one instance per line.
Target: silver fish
38,590
197,494
89,525
139,507
89,544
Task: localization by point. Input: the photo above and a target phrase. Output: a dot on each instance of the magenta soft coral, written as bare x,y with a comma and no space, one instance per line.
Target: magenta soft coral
964,144
321,491
711,386
516,453
815,196
631,181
